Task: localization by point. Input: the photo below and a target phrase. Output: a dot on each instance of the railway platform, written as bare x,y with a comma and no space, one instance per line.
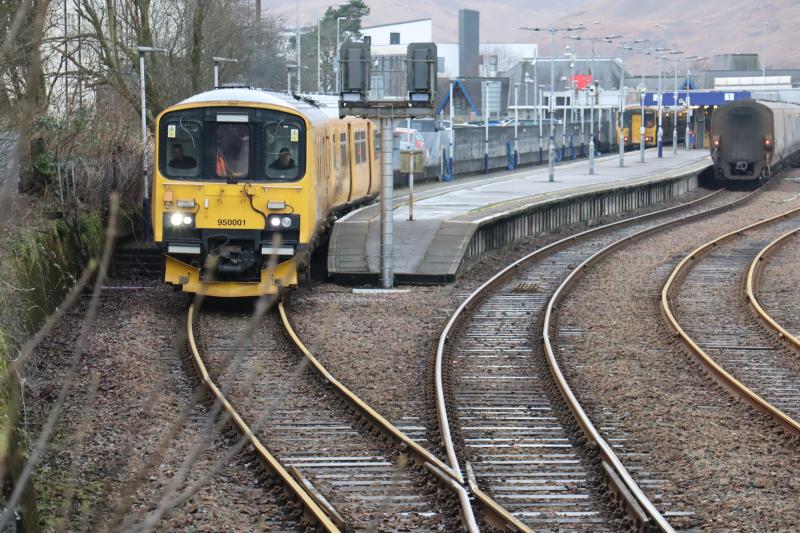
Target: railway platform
457,222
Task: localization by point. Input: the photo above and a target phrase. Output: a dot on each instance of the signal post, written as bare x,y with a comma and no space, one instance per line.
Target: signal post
355,70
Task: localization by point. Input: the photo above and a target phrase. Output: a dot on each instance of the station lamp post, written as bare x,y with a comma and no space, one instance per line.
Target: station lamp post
660,100
217,61
289,68
593,93
643,93
336,63
571,88
625,45
516,125
298,47
142,51
765,24
527,81
688,101
675,104
551,154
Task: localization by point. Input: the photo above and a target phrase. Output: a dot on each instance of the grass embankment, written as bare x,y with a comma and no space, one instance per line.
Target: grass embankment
38,267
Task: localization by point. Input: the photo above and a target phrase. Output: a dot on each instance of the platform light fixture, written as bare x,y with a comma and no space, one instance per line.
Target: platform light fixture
593,92
338,57
553,30
217,61
624,45
142,51
660,134
643,93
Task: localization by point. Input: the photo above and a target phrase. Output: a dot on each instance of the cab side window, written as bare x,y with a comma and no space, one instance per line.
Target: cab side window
183,155
282,149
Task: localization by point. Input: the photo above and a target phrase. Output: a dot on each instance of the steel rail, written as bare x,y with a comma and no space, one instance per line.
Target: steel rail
430,461
306,499
622,475
720,374
474,298
751,288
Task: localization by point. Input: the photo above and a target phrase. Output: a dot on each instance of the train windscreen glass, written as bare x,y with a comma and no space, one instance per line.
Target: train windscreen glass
232,150
184,141
282,149
232,144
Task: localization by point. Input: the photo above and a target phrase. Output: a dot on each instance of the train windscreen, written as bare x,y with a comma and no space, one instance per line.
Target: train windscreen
232,144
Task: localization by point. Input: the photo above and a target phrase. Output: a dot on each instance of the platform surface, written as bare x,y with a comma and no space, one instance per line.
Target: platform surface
447,214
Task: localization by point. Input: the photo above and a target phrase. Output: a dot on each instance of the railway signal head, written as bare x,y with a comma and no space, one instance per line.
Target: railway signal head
355,70
421,73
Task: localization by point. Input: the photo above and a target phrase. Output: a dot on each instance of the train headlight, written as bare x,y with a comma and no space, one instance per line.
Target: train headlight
181,220
280,221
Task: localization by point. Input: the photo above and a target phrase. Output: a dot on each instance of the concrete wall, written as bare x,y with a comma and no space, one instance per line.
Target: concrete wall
469,148
588,207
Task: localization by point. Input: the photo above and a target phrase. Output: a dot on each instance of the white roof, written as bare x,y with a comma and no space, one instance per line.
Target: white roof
252,96
316,112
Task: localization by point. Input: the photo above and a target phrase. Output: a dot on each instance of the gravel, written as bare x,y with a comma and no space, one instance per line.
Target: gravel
724,465
380,345
383,345
307,425
777,291
130,350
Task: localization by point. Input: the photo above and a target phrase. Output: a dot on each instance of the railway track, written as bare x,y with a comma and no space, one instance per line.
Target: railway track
343,462
507,414
705,301
777,310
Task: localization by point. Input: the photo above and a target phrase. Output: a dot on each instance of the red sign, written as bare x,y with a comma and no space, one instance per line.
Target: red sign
581,81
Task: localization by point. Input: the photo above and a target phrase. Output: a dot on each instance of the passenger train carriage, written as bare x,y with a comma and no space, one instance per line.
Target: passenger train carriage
247,182
752,139
632,124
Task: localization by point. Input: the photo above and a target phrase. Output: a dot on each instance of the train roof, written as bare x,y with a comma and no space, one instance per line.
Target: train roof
771,104
258,96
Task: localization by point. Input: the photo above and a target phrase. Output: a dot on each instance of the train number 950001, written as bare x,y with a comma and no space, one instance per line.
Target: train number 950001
230,222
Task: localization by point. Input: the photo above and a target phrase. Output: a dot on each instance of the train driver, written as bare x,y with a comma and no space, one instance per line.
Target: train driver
181,160
284,160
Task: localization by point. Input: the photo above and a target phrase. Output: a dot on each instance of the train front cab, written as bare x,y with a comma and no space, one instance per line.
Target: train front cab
742,141
233,201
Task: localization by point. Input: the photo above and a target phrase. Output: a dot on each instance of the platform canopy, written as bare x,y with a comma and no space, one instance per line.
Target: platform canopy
701,98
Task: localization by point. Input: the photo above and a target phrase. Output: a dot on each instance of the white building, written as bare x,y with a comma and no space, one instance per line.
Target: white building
753,83
389,43
410,31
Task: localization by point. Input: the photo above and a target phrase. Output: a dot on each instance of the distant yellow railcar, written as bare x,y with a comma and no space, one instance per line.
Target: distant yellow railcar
631,127
246,183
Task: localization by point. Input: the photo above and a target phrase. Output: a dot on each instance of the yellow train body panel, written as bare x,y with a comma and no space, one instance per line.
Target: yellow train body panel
272,280
245,186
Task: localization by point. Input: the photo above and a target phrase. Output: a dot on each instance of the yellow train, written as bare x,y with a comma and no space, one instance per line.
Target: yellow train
632,123
246,184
